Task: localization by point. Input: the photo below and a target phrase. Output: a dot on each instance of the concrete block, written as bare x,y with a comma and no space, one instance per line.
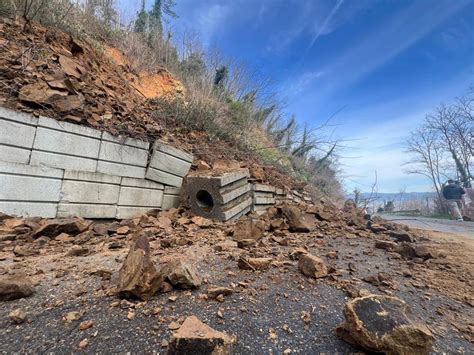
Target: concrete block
168,165
163,177
221,195
264,200
77,175
171,201
122,140
89,192
17,132
65,145
124,212
140,197
89,195
29,190
29,209
123,156
69,162
121,169
263,188
171,198
170,150
17,116
14,154
146,184
86,210
29,183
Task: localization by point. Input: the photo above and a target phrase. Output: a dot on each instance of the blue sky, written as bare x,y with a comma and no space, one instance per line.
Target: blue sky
385,62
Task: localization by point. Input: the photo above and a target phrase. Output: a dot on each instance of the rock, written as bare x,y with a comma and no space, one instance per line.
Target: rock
138,276
4,217
83,343
14,287
55,227
202,165
123,230
24,250
424,252
78,251
254,263
249,229
201,221
381,324
72,316
377,228
180,274
312,266
216,291
86,324
195,337
17,316
401,236
63,237
385,244
295,219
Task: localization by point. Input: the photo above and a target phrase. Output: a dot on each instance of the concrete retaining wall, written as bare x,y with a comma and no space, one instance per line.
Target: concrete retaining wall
47,142
66,169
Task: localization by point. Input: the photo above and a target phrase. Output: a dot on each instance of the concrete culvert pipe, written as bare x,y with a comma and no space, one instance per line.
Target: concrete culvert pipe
216,194
204,200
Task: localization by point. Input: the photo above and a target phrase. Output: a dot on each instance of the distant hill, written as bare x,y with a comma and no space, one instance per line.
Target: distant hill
388,196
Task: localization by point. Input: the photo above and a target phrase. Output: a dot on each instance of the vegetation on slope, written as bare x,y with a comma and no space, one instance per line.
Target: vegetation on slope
222,98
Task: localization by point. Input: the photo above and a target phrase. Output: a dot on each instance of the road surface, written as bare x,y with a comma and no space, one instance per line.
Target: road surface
438,225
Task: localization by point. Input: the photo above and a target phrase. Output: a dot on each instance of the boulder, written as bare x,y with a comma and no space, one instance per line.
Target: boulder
180,274
382,324
295,219
138,276
312,266
14,286
55,227
195,337
249,229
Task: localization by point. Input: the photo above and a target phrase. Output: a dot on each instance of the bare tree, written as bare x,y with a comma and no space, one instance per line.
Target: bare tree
428,158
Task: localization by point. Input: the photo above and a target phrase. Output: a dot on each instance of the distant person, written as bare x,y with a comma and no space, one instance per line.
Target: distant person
453,193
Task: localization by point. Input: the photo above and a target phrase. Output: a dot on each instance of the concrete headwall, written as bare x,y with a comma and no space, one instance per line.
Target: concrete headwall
50,168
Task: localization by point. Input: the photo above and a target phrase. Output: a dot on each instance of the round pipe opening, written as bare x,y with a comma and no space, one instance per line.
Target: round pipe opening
204,200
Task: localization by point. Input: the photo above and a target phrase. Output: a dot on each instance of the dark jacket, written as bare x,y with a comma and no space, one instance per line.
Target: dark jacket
453,192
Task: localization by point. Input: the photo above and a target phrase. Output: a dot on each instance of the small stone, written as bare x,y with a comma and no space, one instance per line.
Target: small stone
83,344
312,266
17,316
130,315
216,291
123,230
86,324
72,316
173,325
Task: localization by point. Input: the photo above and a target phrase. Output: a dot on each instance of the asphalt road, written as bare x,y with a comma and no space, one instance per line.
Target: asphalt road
438,225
